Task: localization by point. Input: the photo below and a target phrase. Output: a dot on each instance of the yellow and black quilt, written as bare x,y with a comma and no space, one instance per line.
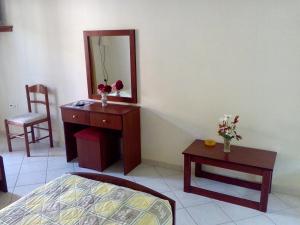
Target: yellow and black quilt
73,200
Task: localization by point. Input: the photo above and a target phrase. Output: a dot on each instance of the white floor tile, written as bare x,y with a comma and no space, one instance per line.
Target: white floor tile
157,184
183,218
219,187
236,212
168,172
12,169
85,170
58,162
11,180
146,173
31,178
172,196
33,167
257,220
285,217
274,203
33,159
188,199
290,200
229,223
208,214
52,174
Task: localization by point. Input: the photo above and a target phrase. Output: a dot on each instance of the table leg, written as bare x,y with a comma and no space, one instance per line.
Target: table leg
265,189
198,169
271,182
187,173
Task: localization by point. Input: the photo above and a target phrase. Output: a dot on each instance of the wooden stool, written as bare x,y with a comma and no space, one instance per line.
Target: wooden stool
97,149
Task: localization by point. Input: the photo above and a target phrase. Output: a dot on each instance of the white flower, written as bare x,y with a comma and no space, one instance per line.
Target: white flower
225,118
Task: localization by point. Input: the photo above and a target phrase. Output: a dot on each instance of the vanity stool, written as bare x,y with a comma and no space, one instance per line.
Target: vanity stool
96,149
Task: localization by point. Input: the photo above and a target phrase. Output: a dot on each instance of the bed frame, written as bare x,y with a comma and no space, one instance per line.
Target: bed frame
3,185
128,184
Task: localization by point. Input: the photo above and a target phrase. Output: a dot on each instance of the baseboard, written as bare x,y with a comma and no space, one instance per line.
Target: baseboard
162,164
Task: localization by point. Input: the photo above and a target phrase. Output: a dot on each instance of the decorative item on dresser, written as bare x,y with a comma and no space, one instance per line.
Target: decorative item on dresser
104,90
31,119
227,129
3,185
110,57
242,159
124,119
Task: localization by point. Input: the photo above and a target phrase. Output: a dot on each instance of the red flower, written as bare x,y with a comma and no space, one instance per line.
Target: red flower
101,87
119,85
107,89
236,119
238,137
104,88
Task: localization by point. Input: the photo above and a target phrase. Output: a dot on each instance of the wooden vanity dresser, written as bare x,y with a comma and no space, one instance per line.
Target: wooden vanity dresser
124,119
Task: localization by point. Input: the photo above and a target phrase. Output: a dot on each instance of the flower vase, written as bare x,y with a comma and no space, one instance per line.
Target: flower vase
104,99
226,145
118,92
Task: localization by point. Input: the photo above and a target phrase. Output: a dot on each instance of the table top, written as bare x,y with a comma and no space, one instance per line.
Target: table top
111,108
238,155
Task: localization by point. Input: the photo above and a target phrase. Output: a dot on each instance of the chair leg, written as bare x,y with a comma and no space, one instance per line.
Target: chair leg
8,136
32,134
26,141
50,133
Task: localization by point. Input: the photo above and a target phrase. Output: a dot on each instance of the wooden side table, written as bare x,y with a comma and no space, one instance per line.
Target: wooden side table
247,160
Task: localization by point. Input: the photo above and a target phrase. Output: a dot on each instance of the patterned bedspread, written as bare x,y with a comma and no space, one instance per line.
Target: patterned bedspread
73,200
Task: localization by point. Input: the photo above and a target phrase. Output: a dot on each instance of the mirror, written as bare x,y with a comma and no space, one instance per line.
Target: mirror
110,57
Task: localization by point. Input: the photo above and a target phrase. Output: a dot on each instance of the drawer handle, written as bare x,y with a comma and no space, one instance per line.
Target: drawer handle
104,121
74,116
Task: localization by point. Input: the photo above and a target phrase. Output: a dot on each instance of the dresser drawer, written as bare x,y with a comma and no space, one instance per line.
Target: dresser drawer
106,121
75,116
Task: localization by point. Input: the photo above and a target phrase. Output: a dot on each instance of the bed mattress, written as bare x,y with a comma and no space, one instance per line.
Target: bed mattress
74,200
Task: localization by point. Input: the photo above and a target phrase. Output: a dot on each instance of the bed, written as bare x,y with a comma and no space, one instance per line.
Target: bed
90,199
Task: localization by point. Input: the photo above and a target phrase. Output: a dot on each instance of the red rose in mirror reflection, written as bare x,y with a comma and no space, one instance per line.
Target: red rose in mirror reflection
119,85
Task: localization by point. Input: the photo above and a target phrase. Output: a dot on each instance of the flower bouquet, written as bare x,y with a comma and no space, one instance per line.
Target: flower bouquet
227,129
104,90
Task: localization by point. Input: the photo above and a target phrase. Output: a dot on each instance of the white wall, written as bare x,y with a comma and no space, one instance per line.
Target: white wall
196,60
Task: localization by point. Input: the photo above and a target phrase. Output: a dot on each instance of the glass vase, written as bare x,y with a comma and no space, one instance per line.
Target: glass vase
226,145
104,99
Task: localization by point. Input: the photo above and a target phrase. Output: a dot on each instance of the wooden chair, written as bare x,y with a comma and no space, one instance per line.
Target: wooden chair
31,119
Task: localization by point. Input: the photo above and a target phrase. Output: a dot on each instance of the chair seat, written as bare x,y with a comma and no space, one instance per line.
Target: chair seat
27,118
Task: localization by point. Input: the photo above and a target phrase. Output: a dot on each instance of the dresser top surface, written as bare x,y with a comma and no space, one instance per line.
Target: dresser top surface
92,106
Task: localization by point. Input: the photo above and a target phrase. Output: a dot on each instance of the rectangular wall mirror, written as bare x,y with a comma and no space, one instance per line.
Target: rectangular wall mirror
110,56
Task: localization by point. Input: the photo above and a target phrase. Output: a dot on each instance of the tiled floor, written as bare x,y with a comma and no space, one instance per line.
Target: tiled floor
25,174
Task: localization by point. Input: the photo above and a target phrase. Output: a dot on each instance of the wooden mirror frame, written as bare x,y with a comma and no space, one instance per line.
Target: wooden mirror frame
131,34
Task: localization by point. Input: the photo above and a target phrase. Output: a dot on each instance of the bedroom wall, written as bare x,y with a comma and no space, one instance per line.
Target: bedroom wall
196,60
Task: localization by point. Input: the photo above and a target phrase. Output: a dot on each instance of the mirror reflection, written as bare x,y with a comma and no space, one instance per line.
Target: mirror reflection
110,63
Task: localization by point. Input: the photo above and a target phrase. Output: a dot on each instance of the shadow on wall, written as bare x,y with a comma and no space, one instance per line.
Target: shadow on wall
163,139
55,115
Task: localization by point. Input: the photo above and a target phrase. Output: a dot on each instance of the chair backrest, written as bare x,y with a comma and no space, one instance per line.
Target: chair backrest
37,89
